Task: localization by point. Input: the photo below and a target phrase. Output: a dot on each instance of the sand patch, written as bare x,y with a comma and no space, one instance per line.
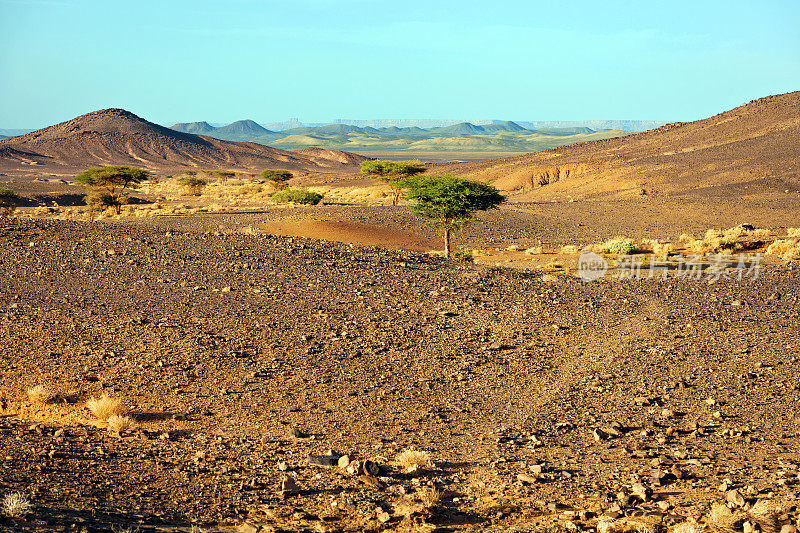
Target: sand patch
350,233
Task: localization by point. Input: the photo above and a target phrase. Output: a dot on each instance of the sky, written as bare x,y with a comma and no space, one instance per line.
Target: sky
318,60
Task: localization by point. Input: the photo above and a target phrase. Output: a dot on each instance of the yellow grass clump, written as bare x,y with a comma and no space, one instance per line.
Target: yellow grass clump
41,395
105,407
430,496
409,459
787,249
120,424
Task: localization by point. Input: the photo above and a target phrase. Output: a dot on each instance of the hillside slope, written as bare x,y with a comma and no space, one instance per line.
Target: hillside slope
116,136
751,150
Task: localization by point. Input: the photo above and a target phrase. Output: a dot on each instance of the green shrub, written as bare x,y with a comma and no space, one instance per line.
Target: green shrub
8,201
297,196
193,184
277,177
621,247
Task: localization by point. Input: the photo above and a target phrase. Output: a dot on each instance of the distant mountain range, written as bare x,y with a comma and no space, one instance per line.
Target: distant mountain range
491,136
118,137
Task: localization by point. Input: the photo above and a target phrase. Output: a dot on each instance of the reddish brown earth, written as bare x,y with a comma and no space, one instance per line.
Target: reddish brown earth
118,137
501,376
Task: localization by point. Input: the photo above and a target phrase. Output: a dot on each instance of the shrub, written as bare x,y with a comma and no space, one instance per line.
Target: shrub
620,247
297,196
410,459
8,201
16,505
104,407
277,177
788,249
120,424
41,395
193,184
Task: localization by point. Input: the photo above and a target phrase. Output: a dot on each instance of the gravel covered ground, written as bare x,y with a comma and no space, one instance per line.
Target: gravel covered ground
622,404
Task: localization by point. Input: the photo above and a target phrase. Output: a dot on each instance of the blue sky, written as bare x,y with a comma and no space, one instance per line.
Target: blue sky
220,61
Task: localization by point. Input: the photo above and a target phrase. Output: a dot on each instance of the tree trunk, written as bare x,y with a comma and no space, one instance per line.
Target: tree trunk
447,243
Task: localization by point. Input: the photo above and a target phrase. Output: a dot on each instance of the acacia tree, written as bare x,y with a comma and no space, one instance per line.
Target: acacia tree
8,201
393,173
277,177
448,202
112,180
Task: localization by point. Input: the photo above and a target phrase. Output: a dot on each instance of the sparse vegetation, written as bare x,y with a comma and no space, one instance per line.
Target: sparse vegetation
8,201
120,423
277,177
105,407
193,184
449,202
41,395
409,459
16,505
393,173
787,249
113,180
737,238
430,496
297,196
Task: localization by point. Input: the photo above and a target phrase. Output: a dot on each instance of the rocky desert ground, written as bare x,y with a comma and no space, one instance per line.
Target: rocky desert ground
280,383
218,363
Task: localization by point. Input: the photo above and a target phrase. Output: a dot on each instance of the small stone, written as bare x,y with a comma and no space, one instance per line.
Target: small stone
663,506
735,497
748,527
247,528
382,516
289,486
283,466
788,528
641,491
344,461
599,434
372,468
668,413
295,433
525,478
323,460
225,289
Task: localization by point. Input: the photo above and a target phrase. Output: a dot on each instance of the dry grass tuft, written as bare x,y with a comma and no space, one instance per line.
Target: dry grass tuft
788,249
16,505
104,407
430,497
687,527
766,516
722,520
41,395
409,459
120,424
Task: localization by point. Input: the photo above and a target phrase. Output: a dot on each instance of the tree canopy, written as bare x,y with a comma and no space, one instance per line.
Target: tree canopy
392,173
114,179
449,202
277,177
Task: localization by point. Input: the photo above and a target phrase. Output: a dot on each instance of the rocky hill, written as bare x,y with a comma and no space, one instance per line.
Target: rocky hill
752,150
116,136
